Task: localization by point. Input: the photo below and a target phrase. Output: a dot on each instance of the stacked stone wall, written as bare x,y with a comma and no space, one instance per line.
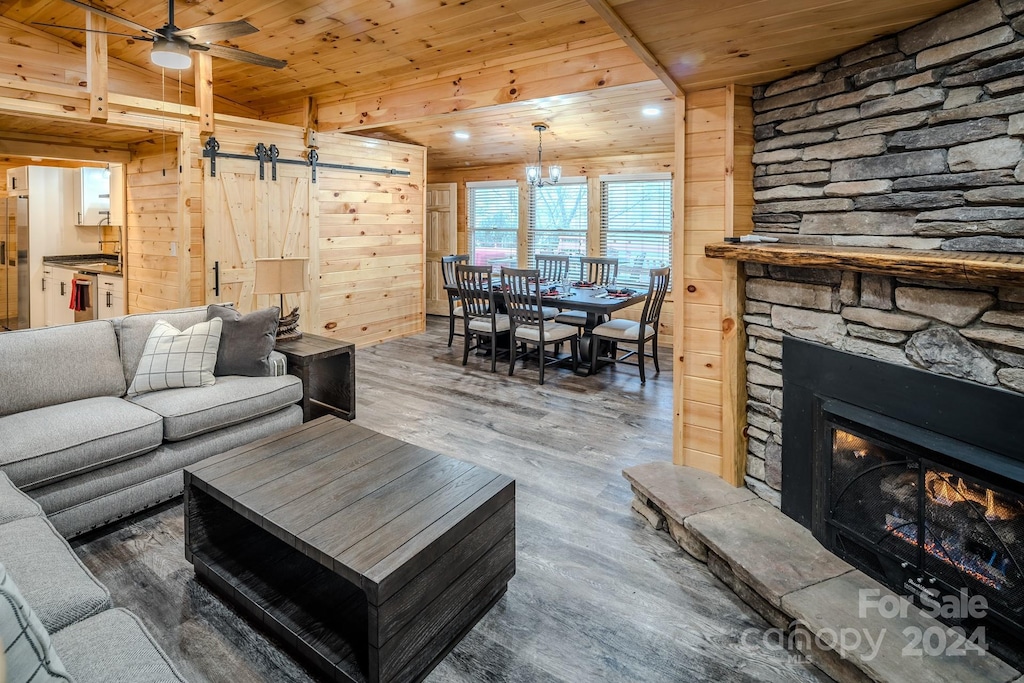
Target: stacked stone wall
971,334
913,141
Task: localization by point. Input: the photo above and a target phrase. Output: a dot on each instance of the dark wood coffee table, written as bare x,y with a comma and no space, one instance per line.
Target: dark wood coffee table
367,555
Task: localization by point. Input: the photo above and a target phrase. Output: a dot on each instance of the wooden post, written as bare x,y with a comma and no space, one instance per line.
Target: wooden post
678,267
593,217
523,252
311,122
96,66
204,90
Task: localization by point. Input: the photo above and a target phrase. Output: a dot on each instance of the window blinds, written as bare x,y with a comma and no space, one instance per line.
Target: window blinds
558,220
636,225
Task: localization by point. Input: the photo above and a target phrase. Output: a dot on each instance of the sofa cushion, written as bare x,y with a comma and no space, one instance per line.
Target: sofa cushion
44,366
246,341
114,647
189,412
51,577
133,331
49,444
28,651
14,504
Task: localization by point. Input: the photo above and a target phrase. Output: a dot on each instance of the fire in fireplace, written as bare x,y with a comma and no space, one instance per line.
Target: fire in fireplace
908,477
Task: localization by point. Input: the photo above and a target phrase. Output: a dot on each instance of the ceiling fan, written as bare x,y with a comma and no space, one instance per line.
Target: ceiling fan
171,45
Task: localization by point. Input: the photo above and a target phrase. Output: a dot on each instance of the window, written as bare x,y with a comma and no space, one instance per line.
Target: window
558,220
636,224
493,221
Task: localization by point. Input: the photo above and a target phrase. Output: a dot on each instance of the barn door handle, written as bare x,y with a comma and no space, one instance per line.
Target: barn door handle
216,278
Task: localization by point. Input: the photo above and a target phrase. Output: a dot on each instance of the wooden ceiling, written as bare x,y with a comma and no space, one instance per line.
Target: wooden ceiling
608,122
350,49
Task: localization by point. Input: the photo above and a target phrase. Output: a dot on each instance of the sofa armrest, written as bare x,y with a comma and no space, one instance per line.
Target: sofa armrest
279,364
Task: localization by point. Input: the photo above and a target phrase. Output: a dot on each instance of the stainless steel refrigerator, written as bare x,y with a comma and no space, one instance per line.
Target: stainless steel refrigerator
14,274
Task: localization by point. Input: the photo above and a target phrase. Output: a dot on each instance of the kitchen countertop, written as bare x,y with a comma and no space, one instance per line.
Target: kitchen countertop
96,264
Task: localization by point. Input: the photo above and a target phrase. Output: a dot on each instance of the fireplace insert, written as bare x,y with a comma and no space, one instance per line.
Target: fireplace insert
914,478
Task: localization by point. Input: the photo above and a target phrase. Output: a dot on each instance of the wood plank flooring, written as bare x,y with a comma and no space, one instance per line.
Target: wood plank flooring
598,595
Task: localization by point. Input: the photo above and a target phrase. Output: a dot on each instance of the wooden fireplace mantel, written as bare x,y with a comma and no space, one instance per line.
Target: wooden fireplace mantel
957,267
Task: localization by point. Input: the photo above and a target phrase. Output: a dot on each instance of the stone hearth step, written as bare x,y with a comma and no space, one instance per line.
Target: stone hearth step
833,614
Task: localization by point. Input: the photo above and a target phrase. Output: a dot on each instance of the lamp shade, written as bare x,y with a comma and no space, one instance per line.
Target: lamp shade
281,275
170,53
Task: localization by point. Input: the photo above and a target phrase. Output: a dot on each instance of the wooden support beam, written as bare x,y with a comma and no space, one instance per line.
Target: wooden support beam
608,13
96,66
584,69
48,150
204,90
311,121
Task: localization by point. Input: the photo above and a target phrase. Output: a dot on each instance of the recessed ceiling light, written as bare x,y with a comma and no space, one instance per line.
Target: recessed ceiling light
461,135
650,111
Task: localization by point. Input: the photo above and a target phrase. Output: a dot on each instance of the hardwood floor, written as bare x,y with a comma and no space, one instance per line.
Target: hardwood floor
598,595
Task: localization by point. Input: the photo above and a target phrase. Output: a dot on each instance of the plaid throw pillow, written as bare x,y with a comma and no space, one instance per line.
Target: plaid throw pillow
28,649
173,359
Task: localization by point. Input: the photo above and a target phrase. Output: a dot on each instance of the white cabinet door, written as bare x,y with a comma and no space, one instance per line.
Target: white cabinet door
111,297
17,180
57,297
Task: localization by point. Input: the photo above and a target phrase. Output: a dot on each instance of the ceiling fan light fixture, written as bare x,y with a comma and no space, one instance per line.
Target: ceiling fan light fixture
170,54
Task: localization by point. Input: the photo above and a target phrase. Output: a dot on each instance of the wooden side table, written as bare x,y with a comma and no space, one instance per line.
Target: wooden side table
327,368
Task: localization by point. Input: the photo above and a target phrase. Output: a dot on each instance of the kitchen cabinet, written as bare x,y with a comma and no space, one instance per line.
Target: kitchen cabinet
17,181
57,296
92,196
110,303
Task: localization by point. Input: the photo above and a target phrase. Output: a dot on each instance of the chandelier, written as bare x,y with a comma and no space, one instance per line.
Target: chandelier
533,172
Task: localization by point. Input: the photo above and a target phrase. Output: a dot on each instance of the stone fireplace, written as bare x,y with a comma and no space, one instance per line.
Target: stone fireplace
885,347
913,477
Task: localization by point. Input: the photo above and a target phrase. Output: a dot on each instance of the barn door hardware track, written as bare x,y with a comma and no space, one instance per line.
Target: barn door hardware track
271,155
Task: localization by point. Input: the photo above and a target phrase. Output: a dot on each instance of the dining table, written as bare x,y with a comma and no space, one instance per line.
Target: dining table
596,302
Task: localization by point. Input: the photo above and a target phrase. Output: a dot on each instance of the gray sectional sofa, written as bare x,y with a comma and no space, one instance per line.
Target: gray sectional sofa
71,439
77,453
56,619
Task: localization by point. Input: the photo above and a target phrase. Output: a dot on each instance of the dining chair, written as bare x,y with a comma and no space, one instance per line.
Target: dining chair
527,326
623,331
602,272
480,317
448,264
552,268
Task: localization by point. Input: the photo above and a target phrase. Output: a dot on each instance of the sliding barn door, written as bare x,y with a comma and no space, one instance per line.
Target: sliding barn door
247,218
442,240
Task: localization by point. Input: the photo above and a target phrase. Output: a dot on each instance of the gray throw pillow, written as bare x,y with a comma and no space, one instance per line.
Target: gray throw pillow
246,341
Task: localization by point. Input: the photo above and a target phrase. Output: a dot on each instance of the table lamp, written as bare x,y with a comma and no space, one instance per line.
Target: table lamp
285,275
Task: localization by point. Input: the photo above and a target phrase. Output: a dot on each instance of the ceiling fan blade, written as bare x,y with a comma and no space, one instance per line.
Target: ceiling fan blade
113,17
240,55
212,33
89,30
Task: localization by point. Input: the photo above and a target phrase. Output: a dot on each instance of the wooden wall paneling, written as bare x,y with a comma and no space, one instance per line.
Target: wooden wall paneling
372,241
679,382
739,177
706,151
152,226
